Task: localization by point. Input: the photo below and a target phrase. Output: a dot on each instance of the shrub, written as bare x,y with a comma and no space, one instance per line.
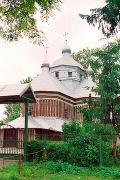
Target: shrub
35,149
57,151
71,130
54,150
87,141
82,145
118,152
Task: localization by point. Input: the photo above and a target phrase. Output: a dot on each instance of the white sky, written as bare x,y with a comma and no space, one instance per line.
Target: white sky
21,59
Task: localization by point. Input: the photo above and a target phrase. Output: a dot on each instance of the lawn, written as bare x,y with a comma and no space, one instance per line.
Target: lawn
57,171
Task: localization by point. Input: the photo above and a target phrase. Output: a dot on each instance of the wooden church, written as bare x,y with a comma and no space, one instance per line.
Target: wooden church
59,90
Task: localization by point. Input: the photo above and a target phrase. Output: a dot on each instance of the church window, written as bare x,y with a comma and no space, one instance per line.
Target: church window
69,74
57,74
80,77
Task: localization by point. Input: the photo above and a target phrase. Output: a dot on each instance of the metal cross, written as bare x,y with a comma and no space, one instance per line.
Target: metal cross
65,35
46,49
46,52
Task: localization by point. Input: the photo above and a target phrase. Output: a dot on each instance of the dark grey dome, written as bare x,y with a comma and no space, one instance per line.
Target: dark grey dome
66,49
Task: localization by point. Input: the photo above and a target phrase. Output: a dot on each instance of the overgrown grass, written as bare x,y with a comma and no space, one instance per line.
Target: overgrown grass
57,170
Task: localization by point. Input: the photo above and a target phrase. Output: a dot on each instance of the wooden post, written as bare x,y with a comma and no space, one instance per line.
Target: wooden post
19,163
26,131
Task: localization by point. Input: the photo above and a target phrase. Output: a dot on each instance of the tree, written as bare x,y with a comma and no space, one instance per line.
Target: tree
12,111
27,80
17,18
105,66
84,141
106,18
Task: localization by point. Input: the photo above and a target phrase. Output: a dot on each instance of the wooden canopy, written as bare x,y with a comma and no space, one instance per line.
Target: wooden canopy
16,93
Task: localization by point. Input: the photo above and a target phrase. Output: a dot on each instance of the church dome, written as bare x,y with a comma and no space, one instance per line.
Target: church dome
66,49
66,59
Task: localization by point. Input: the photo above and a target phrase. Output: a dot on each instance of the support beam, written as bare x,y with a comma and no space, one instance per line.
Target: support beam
26,130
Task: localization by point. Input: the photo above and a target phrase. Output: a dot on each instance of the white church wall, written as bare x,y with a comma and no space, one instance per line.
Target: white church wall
63,72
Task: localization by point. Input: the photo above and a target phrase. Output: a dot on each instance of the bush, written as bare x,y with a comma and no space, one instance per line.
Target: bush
54,150
35,150
57,151
71,130
118,152
82,145
80,152
86,141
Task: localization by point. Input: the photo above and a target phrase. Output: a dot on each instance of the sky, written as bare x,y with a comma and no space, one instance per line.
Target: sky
21,59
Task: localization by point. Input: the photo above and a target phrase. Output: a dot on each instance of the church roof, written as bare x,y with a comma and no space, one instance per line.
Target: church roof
66,59
85,88
49,123
46,82
12,93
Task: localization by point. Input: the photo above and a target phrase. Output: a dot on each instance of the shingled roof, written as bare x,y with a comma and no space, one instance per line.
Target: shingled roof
16,93
46,82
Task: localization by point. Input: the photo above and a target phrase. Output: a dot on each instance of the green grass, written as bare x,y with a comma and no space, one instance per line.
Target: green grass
57,171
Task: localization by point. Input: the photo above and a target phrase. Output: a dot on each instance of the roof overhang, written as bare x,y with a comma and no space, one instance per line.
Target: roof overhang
17,93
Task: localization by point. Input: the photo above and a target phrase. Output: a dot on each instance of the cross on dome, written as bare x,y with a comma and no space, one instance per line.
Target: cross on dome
66,48
45,65
46,52
65,35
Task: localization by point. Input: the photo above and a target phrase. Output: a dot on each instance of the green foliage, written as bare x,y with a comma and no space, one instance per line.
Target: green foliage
84,56
106,18
57,151
118,151
12,111
72,130
27,80
58,170
81,145
103,172
100,129
85,145
17,18
105,70
54,150
59,166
